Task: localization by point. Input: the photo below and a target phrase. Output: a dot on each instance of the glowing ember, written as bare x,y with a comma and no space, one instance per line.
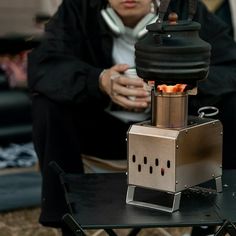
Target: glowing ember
171,88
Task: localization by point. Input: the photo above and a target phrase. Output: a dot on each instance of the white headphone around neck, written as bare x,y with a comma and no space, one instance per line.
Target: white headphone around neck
117,27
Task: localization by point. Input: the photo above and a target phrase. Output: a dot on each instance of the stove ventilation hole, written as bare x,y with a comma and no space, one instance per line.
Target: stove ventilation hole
157,162
150,169
134,158
139,168
162,171
168,164
145,160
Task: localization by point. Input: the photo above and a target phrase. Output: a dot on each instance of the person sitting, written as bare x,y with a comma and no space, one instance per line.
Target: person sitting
77,80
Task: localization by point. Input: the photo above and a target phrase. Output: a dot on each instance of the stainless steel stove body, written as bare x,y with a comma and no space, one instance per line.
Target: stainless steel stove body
173,153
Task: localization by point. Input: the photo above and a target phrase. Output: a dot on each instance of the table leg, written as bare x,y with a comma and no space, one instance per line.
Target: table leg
227,227
73,225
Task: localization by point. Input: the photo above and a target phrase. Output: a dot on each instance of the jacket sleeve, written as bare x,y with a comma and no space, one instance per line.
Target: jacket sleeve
222,75
58,67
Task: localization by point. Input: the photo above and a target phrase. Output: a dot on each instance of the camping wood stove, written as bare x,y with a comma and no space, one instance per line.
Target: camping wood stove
173,151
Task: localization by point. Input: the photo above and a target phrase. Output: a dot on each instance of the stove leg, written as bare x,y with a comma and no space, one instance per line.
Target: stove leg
176,201
130,200
217,189
218,184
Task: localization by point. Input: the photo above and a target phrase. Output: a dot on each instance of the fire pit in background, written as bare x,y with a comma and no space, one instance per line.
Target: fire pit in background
173,151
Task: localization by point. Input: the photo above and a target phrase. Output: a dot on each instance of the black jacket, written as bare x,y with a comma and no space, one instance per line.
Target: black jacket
78,45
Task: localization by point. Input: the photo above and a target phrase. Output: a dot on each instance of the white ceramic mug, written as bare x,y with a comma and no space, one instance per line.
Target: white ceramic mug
131,73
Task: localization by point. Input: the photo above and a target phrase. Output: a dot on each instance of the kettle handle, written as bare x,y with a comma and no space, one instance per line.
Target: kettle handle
164,4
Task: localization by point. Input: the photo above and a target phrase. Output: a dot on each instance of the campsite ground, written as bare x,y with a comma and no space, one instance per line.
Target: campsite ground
25,223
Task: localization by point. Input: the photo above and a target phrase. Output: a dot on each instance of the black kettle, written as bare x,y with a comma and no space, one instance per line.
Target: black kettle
172,51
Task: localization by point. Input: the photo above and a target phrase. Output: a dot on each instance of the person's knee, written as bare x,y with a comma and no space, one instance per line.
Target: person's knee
227,116
228,108
43,105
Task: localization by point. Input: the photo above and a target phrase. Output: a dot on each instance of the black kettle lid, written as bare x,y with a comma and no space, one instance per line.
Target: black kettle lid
166,26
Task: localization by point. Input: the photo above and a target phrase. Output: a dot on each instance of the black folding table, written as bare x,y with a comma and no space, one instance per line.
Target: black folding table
97,201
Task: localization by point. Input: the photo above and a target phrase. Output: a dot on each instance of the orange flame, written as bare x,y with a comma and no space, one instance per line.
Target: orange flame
171,88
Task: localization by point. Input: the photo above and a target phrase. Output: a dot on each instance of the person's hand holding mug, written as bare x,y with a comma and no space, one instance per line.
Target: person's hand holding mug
131,93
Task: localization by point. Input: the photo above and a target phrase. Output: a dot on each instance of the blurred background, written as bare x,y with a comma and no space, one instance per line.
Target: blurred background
21,29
